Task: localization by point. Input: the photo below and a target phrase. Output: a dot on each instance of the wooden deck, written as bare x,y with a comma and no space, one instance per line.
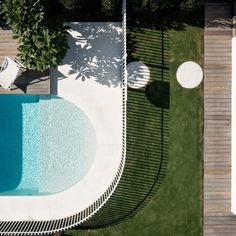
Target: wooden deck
218,219
29,82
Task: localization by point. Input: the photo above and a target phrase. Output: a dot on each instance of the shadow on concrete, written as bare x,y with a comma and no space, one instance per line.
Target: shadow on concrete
95,52
147,133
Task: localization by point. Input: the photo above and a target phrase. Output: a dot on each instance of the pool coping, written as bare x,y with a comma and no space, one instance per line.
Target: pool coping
33,210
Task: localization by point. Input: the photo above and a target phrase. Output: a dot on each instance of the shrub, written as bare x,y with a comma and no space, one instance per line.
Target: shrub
191,5
69,4
41,43
109,7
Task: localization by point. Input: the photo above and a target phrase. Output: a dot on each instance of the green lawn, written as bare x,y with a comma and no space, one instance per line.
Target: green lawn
176,208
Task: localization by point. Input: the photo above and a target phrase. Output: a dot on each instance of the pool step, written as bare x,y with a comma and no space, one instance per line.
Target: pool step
64,135
45,146
30,147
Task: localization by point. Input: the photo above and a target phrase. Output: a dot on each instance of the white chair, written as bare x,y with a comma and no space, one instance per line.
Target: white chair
9,71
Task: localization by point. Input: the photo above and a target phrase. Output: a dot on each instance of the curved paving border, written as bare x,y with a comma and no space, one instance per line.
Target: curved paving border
38,224
145,165
147,148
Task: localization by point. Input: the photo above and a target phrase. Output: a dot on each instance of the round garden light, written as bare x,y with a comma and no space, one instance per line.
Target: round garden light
138,74
189,74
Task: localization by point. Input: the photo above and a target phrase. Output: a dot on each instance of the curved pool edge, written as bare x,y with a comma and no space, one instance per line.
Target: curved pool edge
63,223
104,168
32,226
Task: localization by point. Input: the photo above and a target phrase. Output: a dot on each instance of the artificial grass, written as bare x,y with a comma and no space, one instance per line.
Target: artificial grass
177,208
147,136
146,161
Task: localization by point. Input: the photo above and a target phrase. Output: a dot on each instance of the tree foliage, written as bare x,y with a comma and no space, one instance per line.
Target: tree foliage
166,13
42,43
164,4
90,10
70,4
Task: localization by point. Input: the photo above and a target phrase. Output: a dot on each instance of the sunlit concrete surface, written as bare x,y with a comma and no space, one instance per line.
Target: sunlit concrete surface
90,78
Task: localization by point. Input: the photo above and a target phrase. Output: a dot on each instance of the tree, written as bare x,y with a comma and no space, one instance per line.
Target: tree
42,43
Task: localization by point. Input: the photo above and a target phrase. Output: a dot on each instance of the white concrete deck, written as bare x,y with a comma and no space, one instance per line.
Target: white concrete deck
89,77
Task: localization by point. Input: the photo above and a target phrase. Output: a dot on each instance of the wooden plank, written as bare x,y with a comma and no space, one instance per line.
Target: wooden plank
214,106
218,33
30,82
217,120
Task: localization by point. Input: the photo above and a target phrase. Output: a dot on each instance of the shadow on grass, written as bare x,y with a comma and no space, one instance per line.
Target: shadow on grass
146,162
172,14
158,93
165,15
147,133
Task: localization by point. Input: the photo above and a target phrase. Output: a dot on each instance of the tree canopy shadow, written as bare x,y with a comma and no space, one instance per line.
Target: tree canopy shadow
95,52
168,14
84,10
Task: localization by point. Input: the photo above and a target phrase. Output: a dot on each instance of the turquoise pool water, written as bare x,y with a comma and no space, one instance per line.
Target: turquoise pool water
47,144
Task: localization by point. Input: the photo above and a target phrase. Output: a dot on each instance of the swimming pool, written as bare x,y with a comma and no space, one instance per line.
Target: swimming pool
105,106
47,144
